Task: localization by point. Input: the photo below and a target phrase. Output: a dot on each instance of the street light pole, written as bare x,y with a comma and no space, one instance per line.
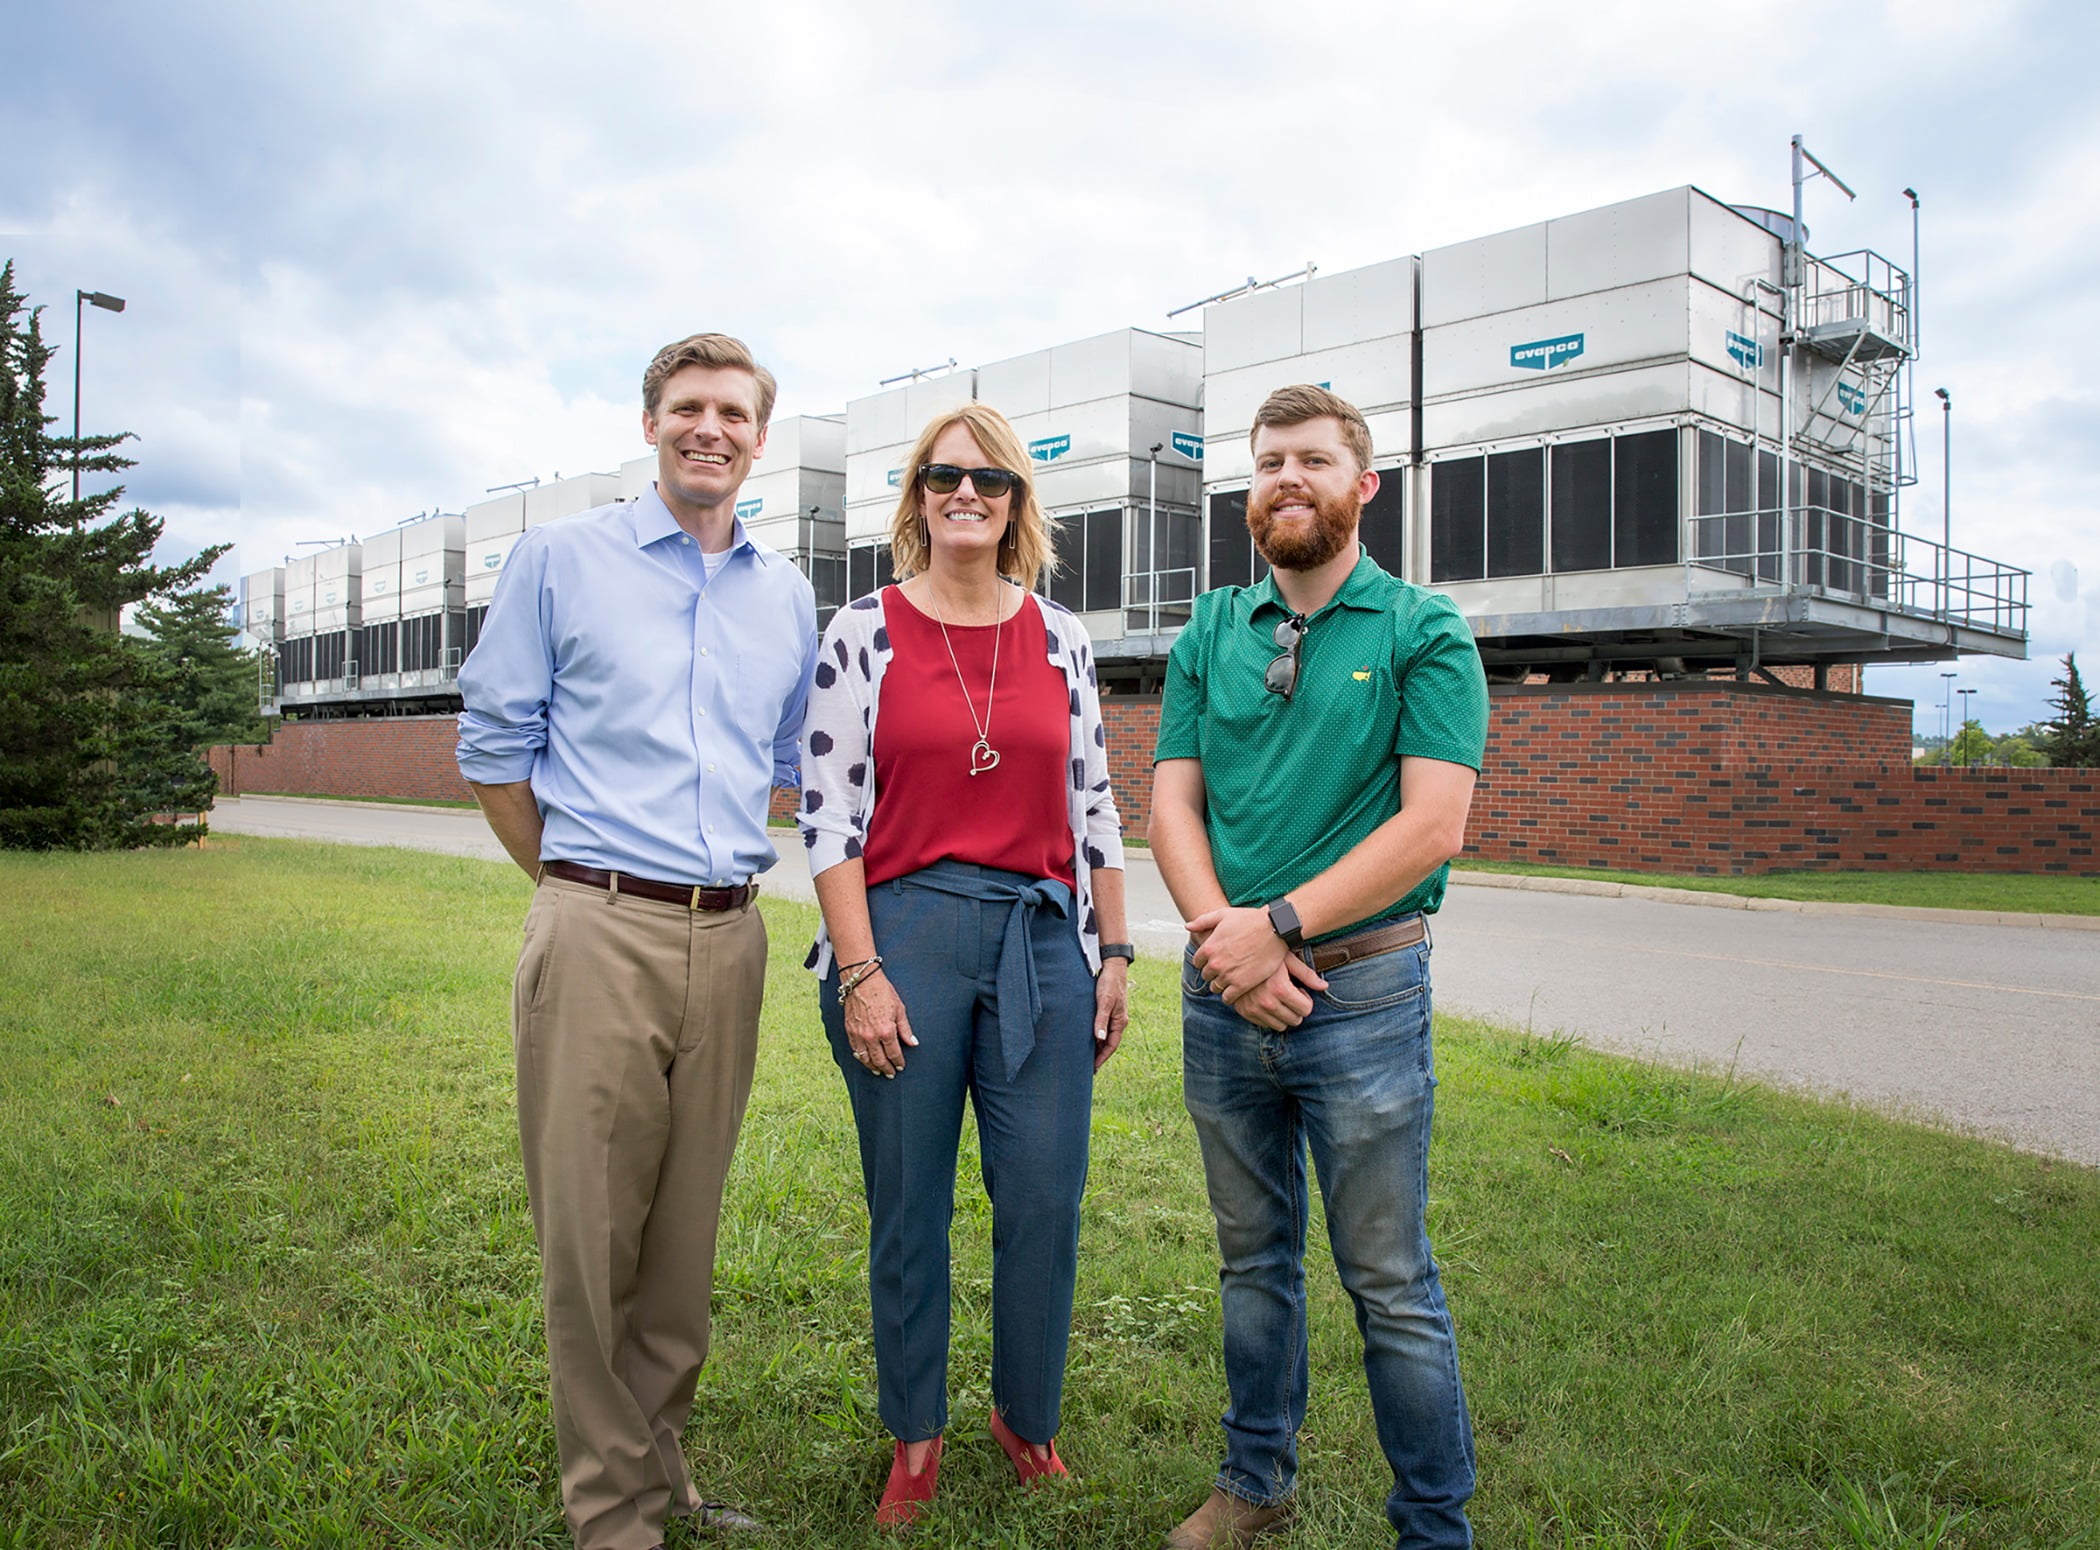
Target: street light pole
108,304
1965,693
1946,713
1152,536
1946,495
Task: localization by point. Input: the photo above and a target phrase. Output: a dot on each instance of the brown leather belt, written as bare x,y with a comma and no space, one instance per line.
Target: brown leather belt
1368,944
617,883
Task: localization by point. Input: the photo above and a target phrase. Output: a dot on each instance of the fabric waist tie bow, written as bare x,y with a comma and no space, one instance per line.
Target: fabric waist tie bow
1020,999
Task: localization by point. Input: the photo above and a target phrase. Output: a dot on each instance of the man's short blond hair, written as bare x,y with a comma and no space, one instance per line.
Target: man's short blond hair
718,350
1027,552
1302,402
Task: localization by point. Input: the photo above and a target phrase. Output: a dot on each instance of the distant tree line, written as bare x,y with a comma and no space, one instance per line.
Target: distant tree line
2070,739
101,733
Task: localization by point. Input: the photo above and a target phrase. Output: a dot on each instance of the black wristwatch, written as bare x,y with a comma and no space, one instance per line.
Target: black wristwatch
1284,921
1123,950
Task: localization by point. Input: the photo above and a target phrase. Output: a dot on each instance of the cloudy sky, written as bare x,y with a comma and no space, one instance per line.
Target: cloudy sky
380,258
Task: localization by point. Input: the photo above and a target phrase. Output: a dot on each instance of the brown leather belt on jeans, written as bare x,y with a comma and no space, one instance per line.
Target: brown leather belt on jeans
617,883
1368,944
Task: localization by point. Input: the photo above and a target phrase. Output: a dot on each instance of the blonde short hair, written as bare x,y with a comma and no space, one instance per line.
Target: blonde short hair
715,350
1028,551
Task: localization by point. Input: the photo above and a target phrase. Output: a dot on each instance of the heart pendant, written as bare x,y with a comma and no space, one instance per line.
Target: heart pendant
983,757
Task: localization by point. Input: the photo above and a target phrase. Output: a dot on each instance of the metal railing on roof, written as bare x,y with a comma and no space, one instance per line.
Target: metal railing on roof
1158,600
1836,554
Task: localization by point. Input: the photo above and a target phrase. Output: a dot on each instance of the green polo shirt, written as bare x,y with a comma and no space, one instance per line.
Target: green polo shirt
1387,671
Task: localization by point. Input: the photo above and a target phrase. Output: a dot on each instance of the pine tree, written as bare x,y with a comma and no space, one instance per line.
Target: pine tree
2073,736
86,759
213,691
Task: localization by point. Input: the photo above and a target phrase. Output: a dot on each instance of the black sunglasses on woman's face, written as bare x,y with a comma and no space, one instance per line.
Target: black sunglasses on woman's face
946,479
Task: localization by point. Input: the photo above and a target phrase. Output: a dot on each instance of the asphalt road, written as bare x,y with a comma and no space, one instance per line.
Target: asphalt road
1974,1023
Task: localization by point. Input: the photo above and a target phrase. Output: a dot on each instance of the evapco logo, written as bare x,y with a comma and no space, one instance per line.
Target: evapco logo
746,510
1748,353
1049,448
1545,354
1852,398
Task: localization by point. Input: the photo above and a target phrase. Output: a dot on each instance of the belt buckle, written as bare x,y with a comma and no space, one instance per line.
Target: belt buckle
693,904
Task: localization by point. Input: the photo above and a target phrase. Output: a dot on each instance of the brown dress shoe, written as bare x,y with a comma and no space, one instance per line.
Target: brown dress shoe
1225,1522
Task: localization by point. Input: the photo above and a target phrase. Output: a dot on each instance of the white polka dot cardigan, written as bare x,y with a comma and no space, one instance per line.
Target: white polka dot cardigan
838,767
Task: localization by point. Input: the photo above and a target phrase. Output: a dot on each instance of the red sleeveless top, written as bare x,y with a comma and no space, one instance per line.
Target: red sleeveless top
928,806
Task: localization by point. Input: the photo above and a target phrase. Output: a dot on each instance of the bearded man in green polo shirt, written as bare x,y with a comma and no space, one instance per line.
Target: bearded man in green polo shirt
1318,745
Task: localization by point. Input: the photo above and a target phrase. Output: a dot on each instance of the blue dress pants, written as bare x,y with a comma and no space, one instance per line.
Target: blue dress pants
944,934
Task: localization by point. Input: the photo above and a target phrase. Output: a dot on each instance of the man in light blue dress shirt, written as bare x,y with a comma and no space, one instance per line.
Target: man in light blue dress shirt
636,693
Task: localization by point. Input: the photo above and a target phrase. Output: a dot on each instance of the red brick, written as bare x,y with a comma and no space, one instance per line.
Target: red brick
1778,778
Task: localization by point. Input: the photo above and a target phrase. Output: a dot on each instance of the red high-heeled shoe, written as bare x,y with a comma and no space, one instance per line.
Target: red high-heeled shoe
906,1494
1029,1469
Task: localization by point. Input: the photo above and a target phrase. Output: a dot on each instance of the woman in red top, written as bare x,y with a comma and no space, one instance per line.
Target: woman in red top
968,860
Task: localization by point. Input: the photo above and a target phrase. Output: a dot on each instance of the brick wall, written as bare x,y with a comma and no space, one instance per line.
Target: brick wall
403,756
1132,724
1740,778
1827,818
1696,728
1734,778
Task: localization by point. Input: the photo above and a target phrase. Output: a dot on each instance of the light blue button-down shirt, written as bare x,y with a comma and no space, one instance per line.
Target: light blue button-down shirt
652,708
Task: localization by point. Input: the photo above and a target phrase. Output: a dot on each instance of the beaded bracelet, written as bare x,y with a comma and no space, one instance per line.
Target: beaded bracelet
866,967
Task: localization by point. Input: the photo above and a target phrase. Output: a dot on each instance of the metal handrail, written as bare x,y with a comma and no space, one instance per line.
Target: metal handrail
1168,594
1837,554
1860,286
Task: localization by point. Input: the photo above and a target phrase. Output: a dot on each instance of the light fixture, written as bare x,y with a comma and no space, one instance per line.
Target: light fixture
107,303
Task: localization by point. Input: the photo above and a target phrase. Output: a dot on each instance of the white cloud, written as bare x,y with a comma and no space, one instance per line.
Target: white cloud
384,257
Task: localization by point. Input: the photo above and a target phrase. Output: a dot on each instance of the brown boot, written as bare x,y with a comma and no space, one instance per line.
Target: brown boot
1225,1522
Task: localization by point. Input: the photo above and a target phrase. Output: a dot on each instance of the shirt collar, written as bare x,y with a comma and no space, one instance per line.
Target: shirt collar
1360,590
653,523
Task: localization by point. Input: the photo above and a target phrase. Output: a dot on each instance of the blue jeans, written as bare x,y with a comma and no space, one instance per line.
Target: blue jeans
943,949
1353,1084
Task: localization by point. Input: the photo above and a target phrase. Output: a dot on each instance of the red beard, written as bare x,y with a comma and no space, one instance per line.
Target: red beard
1304,545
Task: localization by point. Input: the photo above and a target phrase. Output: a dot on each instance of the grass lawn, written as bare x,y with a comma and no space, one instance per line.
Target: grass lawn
2010,893
267,1277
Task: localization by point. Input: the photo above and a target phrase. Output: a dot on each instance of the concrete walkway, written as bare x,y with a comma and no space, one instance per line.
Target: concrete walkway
1980,1021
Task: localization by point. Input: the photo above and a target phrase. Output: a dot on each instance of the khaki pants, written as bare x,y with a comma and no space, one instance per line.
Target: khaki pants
636,1026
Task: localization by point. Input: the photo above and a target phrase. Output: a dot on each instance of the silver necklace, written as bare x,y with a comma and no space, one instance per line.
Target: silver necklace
983,756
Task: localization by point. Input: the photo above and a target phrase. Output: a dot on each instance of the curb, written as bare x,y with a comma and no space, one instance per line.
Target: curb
1700,899
1688,897
368,807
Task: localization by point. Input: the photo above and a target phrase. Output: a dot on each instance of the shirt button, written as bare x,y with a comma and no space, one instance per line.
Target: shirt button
710,769
685,538
703,651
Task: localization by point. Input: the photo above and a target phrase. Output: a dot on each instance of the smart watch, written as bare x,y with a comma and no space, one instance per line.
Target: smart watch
1284,921
1122,950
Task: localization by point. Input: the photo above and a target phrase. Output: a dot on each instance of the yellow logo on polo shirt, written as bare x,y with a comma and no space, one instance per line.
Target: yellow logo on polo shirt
1362,675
